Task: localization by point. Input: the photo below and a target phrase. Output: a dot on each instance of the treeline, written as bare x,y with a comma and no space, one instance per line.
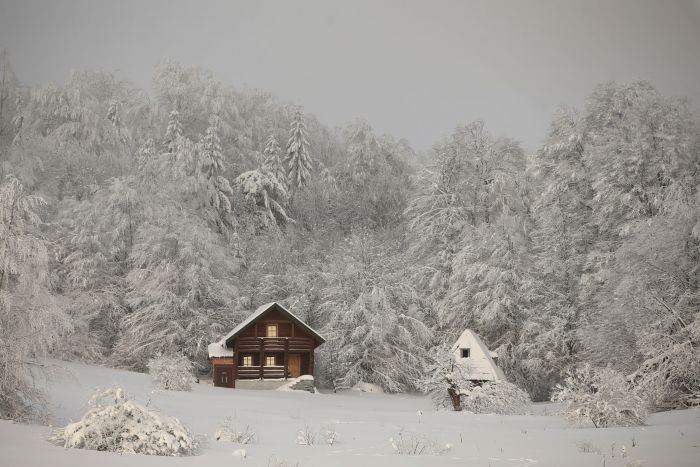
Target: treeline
136,224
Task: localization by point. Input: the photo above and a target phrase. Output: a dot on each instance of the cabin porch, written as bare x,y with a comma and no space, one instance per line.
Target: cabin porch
265,358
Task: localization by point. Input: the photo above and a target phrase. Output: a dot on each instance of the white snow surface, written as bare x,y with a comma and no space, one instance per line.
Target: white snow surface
480,364
364,422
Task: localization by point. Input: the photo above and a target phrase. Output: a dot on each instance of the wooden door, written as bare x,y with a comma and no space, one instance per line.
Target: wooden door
223,376
294,363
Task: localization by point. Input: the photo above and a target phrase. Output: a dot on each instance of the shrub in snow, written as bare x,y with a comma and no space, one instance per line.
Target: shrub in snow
331,436
415,444
230,432
499,397
306,437
600,396
116,424
173,372
588,447
361,386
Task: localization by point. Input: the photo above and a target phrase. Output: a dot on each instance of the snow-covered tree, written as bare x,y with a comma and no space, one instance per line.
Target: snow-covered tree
600,396
30,321
173,131
172,372
445,381
381,345
96,235
215,189
298,160
266,191
273,162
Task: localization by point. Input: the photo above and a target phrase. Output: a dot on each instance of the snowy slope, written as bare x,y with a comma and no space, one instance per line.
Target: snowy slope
364,423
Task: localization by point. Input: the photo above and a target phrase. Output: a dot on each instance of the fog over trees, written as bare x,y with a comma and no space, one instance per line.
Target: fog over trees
139,223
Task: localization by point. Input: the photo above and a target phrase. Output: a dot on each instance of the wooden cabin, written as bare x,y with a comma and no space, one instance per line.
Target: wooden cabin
271,344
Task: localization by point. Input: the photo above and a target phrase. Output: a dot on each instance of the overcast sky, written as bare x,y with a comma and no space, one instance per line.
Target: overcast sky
414,69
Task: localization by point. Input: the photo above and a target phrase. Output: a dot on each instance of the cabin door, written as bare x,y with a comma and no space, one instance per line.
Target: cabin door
223,376
294,362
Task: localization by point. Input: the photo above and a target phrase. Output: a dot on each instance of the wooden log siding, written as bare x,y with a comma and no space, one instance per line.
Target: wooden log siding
260,347
274,344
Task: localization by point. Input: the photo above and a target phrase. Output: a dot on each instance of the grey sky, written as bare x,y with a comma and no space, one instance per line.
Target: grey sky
412,69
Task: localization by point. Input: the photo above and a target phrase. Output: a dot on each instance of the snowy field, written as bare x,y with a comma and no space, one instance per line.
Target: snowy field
364,423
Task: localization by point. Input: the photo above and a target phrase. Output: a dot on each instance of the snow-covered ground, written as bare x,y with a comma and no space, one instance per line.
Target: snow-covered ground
364,423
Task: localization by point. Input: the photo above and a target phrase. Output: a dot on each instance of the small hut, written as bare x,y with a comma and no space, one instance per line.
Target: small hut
271,344
480,363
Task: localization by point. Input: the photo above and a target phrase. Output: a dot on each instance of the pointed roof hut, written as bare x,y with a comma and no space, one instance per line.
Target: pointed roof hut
479,362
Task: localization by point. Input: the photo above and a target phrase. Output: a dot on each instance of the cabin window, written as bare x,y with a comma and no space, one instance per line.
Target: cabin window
247,360
465,353
270,360
271,330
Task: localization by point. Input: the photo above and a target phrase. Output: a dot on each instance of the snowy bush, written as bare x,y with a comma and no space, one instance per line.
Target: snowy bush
171,372
116,424
231,432
416,444
600,396
306,437
499,397
331,437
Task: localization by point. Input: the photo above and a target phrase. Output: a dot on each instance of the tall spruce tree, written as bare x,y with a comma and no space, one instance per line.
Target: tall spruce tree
273,163
298,158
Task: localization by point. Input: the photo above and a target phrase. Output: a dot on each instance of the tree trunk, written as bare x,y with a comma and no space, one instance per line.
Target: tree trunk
456,401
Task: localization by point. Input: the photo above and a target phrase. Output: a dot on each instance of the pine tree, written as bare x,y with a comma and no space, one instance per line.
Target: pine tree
215,188
273,163
298,160
173,131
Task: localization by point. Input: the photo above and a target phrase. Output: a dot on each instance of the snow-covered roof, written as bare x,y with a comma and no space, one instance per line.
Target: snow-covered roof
479,365
221,349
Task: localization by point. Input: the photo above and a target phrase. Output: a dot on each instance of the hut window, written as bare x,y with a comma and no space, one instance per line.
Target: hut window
465,353
270,360
247,360
271,330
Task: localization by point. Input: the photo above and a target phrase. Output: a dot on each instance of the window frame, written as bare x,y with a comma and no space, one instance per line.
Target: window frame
247,360
267,360
468,352
269,327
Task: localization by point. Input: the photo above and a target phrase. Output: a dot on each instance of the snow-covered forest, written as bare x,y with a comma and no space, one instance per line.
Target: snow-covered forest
144,222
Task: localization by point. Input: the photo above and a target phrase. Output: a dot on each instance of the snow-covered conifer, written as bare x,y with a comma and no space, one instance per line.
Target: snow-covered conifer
298,160
273,162
173,131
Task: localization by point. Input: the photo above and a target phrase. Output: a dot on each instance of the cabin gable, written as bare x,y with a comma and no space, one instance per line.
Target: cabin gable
271,344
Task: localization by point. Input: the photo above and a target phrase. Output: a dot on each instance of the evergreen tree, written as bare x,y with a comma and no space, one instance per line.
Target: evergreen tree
273,163
173,131
298,160
215,189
